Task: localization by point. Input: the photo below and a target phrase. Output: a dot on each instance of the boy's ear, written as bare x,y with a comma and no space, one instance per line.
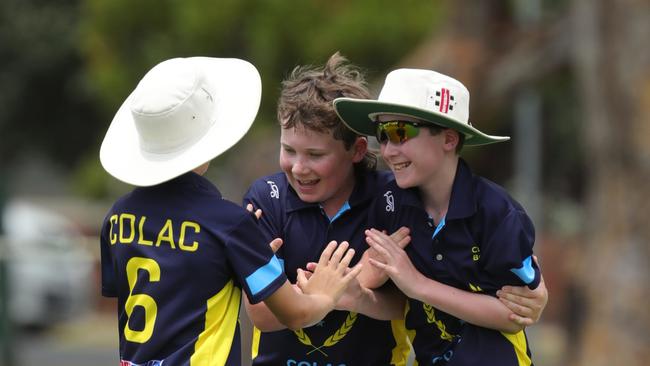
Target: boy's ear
360,148
451,139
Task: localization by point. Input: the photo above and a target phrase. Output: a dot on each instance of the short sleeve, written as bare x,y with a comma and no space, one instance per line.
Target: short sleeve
508,253
257,268
265,194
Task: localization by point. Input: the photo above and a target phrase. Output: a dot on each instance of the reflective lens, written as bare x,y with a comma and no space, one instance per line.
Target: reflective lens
396,132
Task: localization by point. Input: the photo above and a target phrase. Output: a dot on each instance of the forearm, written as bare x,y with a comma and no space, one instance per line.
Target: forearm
386,303
262,317
371,277
475,308
295,310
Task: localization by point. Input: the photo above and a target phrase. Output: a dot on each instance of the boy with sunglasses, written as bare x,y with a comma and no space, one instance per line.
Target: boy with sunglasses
466,232
326,191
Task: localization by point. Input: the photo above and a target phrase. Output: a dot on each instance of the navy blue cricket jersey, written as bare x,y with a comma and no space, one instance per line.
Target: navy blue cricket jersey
341,338
177,255
484,242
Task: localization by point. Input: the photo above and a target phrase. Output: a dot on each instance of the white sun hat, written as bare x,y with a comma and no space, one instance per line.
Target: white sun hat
423,94
183,113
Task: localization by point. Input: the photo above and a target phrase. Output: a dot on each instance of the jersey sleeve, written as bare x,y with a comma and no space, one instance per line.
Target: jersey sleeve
258,270
509,250
109,280
265,195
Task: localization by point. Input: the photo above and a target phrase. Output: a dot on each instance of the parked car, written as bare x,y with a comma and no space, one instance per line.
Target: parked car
49,271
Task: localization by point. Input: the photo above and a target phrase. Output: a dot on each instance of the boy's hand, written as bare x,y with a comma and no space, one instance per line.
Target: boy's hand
251,209
350,297
332,275
527,305
394,261
372,276
275,244
400,237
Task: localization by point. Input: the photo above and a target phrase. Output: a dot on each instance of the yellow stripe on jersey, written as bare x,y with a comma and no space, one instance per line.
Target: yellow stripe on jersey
518,341
410,332
215,342
255,345
402,348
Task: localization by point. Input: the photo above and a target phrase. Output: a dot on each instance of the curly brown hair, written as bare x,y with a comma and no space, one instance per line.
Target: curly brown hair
307,95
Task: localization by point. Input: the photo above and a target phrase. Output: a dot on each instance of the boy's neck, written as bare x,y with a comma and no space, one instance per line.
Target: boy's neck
436,192
333,205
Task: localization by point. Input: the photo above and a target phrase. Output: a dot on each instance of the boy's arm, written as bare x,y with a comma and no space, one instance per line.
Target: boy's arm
262,317
475,308
527,305
259,314
320,292
384,303
479,309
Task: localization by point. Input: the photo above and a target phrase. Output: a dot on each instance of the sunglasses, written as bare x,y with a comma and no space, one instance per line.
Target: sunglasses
397,132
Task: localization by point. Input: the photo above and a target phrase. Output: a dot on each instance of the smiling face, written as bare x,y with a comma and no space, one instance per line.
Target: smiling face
319,167
419,160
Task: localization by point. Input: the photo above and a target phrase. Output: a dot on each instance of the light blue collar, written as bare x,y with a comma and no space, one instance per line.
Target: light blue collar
345,207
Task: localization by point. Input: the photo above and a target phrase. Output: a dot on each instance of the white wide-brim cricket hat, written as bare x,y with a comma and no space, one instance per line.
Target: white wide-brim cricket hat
423,94
183,113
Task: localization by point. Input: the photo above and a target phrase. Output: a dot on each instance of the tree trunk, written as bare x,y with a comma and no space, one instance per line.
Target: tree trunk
612,63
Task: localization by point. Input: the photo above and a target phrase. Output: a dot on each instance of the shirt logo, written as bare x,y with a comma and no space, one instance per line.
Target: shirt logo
476,253
390,201
444,100
339,334
275,192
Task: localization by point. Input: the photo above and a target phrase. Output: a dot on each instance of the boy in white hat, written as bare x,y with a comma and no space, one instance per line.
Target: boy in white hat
466,231
173,251
324,192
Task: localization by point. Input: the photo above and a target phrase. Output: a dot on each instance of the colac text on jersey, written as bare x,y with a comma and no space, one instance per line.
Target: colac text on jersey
123,231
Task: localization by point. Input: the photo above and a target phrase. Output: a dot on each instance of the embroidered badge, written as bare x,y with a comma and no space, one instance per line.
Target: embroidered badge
476,253
275,192
390,201
431,318
444,100
331,340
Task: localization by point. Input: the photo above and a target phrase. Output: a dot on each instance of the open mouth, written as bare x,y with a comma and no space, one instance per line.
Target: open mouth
399,166
307,182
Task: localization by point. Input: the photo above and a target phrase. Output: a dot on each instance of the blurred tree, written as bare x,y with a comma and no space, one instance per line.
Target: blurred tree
122,39
612,60
44,102
66,66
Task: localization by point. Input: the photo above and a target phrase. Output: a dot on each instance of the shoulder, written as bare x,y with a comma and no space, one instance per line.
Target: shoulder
271,194
493,195
381,177
270,186
391,201
494,201
383,180
227,216
122,204
389,190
